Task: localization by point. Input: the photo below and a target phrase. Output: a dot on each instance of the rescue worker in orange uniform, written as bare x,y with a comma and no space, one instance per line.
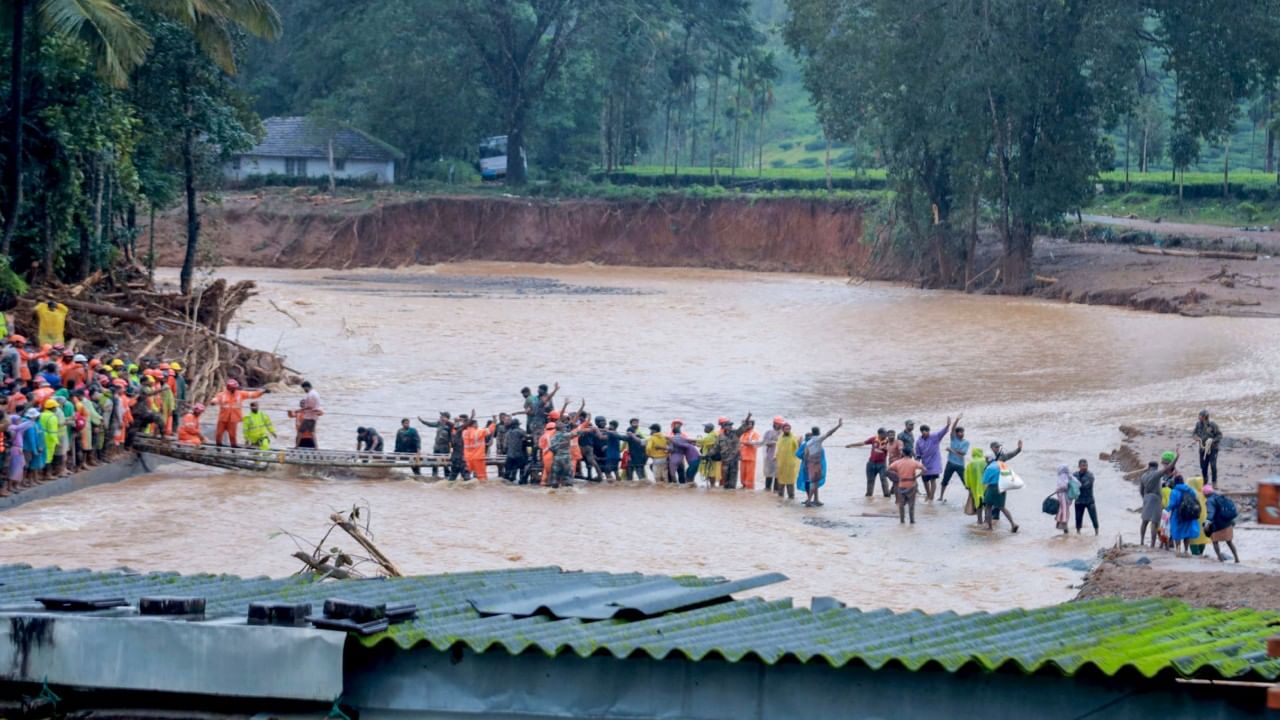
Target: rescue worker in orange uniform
750,442
544,444
189,431
473,447
230,404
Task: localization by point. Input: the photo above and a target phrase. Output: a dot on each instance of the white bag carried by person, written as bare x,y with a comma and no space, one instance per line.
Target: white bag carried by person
1009,480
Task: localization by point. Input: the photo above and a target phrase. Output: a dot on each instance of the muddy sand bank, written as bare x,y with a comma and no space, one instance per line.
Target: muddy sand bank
289,230
1133,572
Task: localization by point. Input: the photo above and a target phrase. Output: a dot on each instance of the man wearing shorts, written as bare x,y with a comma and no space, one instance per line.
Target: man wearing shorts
906,469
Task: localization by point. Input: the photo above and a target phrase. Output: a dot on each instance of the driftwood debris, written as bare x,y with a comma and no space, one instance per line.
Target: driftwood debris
334,562
1211,254
323,567
120,312
358,535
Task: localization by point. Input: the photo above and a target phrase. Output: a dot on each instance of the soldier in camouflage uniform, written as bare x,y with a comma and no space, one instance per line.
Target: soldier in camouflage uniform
457,459
729,447
444,430
562,458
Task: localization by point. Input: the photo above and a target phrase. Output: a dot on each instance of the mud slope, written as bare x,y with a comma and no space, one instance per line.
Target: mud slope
768,235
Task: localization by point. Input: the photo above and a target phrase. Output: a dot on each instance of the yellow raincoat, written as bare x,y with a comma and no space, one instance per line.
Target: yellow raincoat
973,476
788,463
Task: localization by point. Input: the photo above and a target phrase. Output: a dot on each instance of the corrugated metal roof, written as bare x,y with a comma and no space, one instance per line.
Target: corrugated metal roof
1151,637
588,601
301,137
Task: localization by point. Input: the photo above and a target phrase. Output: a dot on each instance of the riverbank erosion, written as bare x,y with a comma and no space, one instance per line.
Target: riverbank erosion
295,229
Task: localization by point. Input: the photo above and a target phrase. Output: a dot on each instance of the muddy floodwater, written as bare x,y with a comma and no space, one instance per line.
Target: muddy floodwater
657,344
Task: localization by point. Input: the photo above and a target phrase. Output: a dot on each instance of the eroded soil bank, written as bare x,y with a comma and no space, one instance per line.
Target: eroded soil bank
294,230
285,230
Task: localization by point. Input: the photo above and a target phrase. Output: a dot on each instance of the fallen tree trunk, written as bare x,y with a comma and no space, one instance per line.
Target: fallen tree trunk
107,310
1212,254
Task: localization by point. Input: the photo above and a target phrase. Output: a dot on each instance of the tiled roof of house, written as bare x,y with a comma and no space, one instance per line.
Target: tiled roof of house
303,138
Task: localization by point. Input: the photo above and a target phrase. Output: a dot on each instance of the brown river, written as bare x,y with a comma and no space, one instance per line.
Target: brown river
382,344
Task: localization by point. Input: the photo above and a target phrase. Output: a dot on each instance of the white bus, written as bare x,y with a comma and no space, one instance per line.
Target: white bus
493,158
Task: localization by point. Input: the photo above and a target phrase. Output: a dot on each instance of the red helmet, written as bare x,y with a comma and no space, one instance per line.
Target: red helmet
199,408
233,384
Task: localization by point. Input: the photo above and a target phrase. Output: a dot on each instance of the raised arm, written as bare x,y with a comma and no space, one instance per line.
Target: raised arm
552,394
832,431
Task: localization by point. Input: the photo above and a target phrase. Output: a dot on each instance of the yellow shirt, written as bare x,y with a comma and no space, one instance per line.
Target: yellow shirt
657,447
52,324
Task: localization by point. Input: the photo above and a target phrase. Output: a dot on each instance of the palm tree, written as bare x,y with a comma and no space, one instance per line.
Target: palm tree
212,23
117,45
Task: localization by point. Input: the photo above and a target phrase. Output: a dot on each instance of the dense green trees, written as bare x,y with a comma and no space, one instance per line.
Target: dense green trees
999,108
111,103
579,82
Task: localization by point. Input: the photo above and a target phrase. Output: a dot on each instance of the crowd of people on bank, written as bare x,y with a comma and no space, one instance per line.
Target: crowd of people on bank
65,411
1186,515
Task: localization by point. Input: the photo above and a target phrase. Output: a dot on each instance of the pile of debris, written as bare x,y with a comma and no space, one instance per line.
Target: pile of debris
122,312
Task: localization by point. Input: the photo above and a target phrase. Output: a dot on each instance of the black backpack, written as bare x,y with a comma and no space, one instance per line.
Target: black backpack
1225,511
1189,506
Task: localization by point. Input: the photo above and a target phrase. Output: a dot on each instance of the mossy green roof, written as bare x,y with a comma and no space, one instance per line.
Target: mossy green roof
1153,637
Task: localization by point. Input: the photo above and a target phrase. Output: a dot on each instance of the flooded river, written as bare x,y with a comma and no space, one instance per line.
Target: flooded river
380,345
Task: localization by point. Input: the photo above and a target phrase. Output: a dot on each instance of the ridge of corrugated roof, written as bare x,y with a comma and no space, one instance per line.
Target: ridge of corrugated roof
1150,637
303,137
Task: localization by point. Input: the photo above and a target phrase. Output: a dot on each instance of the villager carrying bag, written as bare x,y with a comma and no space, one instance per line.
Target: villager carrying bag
1225,511
1189,507
1009,480
1050,505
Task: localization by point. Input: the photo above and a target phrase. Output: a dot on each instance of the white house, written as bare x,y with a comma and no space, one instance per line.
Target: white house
299,147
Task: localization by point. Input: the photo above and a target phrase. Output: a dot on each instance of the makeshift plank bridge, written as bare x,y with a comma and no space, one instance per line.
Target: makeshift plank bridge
254,459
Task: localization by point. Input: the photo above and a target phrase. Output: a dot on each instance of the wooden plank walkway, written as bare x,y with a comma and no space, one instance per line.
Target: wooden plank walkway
243,458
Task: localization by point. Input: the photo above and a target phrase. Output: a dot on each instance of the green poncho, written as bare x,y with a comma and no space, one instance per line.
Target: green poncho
973,475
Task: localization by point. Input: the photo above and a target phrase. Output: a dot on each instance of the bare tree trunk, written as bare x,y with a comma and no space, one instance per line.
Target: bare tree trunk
737,124
1253,146
1226,169
517,173
1128,129
693,123
91,230
333,180
827,163
715,115
666,136
13,166
972,248
760,142
151,244
605,133
47,231
1146,139
193,213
